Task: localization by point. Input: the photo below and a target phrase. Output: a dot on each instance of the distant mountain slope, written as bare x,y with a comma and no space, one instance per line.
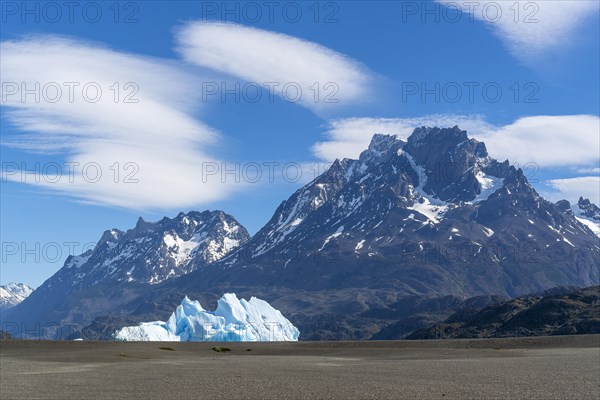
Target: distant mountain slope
124,264
13,294
430,311
575,312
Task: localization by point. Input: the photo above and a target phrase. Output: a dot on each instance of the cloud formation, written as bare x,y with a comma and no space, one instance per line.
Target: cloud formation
98,107
289,66
549,141
572,188
530,28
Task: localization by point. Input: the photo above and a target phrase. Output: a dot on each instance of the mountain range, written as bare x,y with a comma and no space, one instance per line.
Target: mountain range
410,231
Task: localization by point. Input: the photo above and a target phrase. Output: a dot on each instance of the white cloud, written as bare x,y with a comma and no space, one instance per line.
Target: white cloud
548,141
531,28
260,57
595,170
157,134
572,188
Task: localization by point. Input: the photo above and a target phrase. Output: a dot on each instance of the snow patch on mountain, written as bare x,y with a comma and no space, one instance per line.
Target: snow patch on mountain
234,320
78,261
359,245
593,225
488,232
433,212
489,184
427,205
337,233
182,250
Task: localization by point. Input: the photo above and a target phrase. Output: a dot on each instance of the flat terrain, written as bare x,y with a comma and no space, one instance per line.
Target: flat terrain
520,368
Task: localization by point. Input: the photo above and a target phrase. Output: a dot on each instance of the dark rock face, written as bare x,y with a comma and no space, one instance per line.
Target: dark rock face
432,220
449,160
564,206
574,312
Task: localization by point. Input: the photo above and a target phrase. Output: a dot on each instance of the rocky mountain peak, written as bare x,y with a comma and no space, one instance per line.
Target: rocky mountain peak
153,252
381,142
444,140
441,140
142,224
451,166
564,206
381,148
516,181
589,209
425,134
110,236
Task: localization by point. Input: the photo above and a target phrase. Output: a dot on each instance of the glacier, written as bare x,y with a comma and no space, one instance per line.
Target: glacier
234,320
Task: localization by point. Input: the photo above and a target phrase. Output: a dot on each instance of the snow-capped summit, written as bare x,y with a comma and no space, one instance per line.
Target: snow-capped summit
12,294
234,320
153,252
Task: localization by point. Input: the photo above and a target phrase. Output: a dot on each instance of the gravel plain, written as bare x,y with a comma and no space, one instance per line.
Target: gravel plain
545,368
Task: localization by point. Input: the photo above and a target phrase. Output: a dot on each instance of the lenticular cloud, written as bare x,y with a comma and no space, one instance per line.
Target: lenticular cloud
281,62
113,111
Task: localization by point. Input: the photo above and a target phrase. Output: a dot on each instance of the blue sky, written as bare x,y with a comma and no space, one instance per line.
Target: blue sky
389,65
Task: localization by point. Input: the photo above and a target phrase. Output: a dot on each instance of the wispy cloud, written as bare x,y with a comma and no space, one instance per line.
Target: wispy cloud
530,29
548,141
325,79
593,170
149,125
572,188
